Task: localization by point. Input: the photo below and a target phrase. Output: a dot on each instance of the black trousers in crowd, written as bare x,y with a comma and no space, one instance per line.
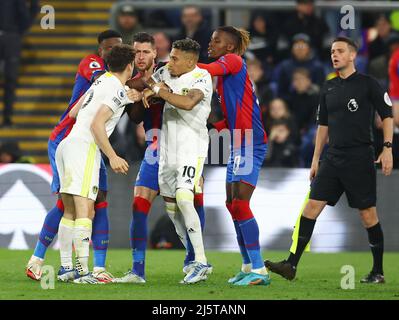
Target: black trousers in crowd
10,52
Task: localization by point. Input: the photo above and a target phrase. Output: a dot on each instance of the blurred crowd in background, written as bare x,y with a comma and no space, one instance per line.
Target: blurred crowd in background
288,60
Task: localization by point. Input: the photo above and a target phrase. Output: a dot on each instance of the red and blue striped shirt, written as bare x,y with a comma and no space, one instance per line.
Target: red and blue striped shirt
87,69
238,100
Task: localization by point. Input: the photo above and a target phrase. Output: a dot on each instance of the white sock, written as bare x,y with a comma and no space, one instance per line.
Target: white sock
65,238
246,267
185,202
171,209
81,240
98,269
262,271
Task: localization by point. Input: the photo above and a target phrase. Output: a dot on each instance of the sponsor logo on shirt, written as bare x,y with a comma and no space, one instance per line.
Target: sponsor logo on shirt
117,101
352,105
387,99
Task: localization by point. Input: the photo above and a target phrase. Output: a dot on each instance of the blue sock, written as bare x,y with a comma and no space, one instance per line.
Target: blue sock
138,234
250,233
49,229
100,234
199,207
241,244
240,240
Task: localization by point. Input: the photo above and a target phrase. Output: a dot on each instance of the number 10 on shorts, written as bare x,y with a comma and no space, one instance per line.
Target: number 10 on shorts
189,172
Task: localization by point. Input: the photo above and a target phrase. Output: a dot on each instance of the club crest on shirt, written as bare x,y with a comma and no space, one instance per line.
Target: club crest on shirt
95,190
94,65
352,105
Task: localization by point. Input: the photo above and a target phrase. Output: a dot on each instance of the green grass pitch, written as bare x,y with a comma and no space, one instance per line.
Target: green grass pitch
318,277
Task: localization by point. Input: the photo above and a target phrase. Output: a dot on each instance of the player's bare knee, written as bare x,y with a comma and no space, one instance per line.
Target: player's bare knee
145,193
369,217
69,215
313,209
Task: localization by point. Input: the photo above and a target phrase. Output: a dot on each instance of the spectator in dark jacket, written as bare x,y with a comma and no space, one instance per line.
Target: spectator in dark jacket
260,82
263,38
303,100
305,21
16,17
196,28
282,151
124,19
302,57
278,110
379,47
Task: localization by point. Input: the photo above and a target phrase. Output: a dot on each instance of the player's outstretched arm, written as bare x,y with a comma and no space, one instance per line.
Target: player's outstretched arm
321,140
75,110
136,112
184,102
97,127
214,68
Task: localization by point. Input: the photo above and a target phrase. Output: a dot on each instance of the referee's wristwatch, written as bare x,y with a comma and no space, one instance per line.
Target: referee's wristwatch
387,144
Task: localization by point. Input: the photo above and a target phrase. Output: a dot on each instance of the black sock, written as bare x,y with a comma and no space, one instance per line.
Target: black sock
305,231
376,241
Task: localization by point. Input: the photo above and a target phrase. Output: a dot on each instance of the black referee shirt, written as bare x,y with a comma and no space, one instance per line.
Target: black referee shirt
347,107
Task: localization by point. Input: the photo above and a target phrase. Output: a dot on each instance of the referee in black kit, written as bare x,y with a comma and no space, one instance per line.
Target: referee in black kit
346,118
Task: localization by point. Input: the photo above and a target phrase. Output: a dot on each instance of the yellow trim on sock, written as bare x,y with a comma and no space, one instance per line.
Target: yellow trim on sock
295,234
171,207
88,173
83,222
67,222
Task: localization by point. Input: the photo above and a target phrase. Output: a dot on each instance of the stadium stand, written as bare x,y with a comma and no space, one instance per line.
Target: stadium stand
47,70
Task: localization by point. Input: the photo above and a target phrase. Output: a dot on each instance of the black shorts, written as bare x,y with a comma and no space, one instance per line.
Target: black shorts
351,171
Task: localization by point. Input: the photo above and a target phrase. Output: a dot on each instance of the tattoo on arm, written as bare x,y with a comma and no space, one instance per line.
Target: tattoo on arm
195,95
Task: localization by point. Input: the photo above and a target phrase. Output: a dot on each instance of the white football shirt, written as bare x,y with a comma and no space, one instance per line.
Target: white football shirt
184,132
108,90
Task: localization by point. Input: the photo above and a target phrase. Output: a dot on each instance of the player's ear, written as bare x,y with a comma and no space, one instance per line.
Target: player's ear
230,47
353,55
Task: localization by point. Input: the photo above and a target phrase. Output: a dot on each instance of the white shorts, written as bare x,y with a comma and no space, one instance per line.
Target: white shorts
78,164
185,174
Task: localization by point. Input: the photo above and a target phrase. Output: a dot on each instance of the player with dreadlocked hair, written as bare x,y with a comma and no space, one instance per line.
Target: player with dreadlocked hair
242,117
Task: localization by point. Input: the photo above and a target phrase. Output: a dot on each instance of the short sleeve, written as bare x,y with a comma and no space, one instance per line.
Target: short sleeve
204,83
231,63
89,66
322,114
380,99
116,98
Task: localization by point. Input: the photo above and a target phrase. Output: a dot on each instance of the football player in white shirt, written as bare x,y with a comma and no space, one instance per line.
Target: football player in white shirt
184,142
78,156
